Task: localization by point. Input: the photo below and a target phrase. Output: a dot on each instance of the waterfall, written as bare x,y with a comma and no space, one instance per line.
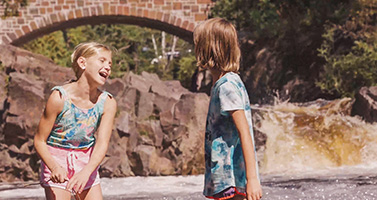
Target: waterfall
314,136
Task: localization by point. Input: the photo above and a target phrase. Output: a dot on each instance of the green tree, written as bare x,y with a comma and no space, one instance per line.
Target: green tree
137,49
272,18
11,7
52,46
330,44
350,67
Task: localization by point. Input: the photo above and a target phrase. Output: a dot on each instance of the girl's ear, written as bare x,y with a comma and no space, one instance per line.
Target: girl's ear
81,61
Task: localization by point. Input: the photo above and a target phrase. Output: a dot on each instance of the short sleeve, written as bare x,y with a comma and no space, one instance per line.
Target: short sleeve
230,98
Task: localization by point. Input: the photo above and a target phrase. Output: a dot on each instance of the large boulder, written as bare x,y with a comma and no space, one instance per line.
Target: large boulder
191,112
366,104
26,102
160,125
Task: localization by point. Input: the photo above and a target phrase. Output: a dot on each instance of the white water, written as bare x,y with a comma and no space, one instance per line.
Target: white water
341,184
314,138
163,187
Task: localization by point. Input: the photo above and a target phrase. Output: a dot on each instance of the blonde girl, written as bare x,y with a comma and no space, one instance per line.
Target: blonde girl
65,140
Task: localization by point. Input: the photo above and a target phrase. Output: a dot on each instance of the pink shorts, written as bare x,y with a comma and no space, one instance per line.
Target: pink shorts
73,161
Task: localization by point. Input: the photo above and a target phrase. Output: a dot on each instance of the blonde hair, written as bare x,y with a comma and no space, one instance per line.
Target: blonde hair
216,45
86,50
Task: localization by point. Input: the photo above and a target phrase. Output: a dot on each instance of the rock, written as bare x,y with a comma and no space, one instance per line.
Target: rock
116,163
175,89
123,124
13,148
144,106
151,78
148,160
141,158
162,103
161,166
366,104
192,108
137,82
167,119
127,101
26,103
3,92
25,148
115,86
7,56
157,128
151,129
192,112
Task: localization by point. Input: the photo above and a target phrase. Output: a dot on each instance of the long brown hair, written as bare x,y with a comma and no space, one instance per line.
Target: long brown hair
216,45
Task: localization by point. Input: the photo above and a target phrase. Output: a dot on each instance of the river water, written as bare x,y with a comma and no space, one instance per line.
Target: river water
313,151
330,186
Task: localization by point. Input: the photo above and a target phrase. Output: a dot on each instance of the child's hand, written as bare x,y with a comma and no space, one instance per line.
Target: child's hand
78,181
253,190
58,175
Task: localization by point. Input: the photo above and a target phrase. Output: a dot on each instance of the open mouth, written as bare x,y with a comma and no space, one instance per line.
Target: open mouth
104,74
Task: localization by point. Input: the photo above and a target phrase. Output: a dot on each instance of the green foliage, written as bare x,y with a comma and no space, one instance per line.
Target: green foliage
253,16
52,46
2,68
272,18
11,7
345,74
7,81
153,117
134,49
348,46
185,71
349,68
142,132
268,20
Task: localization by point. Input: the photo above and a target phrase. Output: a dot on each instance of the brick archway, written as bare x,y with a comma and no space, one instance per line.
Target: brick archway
40,17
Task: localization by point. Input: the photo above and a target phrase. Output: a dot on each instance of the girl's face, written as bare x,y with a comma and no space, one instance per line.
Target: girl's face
98,66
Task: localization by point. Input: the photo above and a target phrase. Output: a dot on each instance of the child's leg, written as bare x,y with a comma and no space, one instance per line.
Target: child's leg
93,193
53,193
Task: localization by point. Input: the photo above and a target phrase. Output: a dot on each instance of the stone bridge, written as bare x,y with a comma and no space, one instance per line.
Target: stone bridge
41,17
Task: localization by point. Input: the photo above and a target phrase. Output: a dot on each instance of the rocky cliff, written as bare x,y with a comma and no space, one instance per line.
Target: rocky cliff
158,130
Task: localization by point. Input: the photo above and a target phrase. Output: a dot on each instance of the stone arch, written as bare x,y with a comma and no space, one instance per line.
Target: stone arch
41,17
184,33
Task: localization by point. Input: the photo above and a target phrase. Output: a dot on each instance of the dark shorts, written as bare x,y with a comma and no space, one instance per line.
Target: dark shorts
226,194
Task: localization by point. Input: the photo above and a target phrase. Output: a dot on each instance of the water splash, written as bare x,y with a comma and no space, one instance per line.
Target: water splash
319,135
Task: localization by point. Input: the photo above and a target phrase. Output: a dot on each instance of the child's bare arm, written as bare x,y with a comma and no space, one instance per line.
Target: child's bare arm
253,187
53,107
102,142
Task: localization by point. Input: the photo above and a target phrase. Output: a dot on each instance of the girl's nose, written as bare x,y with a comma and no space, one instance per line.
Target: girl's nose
108,66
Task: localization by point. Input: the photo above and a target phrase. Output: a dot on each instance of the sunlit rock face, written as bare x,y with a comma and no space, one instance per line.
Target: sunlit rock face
26,80
158,128
365,104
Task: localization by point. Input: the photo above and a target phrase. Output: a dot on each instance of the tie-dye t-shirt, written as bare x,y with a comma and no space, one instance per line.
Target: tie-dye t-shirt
74,127
224,160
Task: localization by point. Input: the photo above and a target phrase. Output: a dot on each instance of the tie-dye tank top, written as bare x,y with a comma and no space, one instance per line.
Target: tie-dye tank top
74,127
